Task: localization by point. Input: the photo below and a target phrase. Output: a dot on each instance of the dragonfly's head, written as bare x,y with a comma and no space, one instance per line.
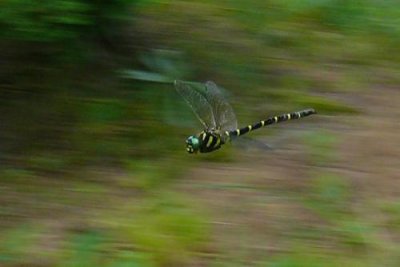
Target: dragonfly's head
192,144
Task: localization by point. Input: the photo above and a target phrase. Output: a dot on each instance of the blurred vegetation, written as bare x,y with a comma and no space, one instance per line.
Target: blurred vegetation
92,130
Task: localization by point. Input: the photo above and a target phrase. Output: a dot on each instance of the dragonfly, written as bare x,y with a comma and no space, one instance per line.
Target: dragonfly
218,118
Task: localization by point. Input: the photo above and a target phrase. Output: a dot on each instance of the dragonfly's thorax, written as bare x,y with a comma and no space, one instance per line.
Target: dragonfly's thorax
209,141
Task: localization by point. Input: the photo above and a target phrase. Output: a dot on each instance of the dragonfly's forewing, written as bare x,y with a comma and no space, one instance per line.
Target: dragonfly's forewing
200,105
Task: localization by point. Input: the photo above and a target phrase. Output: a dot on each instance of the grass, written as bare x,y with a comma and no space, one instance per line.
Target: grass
169,229
19,243
328,196
322,147
392,210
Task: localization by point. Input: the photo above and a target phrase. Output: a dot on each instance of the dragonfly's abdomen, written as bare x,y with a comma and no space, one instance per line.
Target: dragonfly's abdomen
209,142
272,120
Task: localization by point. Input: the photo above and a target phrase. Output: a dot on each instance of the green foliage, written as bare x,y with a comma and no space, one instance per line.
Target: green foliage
44,20
168,227
328,196
300,100
341,15
132,259
355,234
102,111
309,256
325,106
150,175
58,20
14,175
19,244
392,210
84,251
48,162
321,145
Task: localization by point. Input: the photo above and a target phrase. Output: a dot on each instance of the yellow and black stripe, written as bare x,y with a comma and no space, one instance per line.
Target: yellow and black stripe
271,120
209,142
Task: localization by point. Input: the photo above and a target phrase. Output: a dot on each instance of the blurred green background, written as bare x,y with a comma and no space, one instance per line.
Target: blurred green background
93,163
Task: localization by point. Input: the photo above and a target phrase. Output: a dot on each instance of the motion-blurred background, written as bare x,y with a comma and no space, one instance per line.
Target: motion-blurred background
94,170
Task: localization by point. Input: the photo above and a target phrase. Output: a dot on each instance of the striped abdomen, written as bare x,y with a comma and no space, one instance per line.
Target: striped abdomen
272,120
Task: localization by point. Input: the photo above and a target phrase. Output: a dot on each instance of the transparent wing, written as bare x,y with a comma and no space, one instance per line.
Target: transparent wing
225,118
247,143
191,92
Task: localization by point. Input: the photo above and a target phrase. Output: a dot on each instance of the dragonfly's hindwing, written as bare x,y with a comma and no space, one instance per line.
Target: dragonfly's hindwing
225,118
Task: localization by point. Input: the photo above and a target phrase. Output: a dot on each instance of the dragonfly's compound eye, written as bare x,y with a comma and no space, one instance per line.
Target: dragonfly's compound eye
192,144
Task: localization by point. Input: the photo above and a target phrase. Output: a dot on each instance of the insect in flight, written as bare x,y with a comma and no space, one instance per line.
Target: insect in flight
217,116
